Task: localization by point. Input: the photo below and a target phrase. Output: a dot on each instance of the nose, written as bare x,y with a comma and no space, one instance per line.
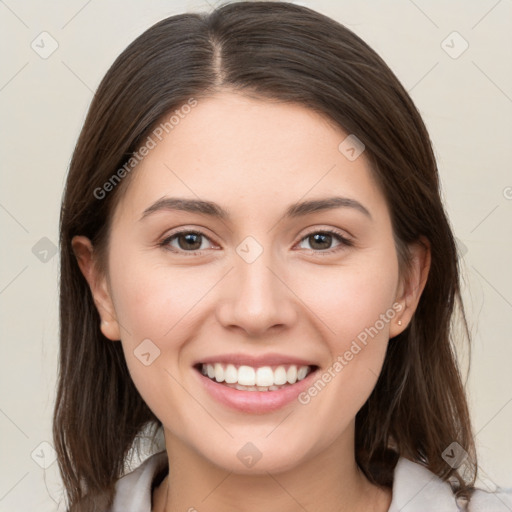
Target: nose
257,298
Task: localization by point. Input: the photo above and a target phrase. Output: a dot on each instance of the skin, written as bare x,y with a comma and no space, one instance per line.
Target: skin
254,158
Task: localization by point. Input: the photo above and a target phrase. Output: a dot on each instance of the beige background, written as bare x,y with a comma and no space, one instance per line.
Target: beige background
465,98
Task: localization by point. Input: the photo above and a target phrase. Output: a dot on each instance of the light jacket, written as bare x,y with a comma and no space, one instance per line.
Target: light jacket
415,489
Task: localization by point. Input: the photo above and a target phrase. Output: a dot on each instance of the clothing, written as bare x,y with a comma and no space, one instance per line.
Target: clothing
415,489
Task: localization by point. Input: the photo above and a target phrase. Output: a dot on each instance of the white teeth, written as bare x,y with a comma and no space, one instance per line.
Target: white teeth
219,372
231,374
264,376
291,374
301,373
280,376
248,378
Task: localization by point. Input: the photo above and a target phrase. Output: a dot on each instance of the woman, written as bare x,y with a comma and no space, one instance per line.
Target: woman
257,263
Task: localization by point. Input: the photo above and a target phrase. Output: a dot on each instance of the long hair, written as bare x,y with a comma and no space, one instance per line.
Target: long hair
275,51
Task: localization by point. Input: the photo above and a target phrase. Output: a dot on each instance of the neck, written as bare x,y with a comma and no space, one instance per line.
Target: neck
330,481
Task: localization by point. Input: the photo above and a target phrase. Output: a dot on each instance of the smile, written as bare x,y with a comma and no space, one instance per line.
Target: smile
255,384
249,378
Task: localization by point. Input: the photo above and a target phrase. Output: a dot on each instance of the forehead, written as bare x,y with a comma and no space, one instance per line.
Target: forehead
248,153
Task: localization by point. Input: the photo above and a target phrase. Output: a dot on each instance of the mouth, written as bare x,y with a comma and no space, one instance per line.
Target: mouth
255,378
257,384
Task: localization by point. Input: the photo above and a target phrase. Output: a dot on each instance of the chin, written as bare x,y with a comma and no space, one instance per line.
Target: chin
258,456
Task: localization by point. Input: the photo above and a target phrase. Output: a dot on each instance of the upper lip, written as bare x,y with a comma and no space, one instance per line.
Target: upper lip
256,361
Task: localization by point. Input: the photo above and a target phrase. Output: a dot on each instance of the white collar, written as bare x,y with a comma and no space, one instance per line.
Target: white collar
414,486
415,489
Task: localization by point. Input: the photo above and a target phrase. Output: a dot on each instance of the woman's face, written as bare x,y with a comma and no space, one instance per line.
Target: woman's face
263,287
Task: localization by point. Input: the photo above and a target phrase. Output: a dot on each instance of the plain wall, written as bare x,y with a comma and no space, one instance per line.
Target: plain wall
466,102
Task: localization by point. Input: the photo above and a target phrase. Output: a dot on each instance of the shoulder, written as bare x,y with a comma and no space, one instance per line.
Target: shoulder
415,487
133,490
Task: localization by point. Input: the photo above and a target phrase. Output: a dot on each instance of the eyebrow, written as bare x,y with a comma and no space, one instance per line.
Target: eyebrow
212,209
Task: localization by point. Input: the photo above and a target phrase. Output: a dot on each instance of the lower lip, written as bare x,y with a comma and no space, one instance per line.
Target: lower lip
255,401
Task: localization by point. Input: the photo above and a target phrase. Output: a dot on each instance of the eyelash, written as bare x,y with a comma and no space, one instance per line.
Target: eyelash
344,242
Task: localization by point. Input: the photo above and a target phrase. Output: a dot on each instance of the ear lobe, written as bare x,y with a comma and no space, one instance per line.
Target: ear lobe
84,252
412,285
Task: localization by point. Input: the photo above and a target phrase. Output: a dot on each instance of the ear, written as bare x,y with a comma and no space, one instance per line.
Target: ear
411,285
84,252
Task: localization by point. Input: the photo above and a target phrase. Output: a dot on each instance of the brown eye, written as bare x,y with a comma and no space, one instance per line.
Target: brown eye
186,241
189,241
322,240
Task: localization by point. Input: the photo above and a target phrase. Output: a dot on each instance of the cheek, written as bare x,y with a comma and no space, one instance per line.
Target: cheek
154,301
155,306
162,309
350,298
355,306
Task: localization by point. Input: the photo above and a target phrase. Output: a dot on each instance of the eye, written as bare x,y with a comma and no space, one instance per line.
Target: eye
321,240
187,241
190,242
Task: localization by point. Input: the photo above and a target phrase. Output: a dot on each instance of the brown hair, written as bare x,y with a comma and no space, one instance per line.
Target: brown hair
281,51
